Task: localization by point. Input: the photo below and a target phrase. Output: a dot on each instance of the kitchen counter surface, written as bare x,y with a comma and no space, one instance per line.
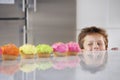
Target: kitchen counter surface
87,66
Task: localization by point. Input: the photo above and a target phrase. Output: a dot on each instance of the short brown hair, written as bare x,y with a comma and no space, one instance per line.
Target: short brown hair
92,30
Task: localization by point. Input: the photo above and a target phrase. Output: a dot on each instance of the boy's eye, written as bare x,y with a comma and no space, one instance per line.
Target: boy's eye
90,44
98,43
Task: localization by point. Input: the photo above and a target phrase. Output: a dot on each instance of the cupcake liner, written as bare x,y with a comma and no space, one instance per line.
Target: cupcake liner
57,54
72,53
8,57
43,55
27,56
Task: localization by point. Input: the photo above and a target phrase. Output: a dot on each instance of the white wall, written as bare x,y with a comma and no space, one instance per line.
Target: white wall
102,13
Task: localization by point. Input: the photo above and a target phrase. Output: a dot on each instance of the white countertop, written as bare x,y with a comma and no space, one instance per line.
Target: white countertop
90,66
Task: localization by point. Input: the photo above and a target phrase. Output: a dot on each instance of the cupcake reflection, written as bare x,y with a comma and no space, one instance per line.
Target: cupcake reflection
59,63
44,63
94,61
28,65
9,67
73,61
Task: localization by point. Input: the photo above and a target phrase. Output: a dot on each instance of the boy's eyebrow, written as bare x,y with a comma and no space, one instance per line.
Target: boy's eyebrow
93,41
100,40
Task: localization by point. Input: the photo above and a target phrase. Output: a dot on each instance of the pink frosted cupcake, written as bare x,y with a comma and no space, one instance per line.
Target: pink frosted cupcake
73,48
60,49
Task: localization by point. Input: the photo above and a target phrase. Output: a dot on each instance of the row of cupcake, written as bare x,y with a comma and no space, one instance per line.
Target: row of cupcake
28,51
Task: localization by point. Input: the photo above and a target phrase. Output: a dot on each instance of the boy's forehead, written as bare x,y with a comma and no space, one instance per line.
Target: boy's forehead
98,37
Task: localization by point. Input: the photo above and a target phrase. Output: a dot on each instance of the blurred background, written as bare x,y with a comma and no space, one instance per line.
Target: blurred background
37,21
49,21
101,13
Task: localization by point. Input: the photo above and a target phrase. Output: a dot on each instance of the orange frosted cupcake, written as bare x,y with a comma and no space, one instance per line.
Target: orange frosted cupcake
10,52
73,48
27,51
60,49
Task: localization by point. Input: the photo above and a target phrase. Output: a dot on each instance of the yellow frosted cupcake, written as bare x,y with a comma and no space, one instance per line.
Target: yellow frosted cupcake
27,51
44,50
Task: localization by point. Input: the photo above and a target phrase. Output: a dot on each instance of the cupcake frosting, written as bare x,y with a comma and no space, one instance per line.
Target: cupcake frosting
73,47
60,47
28,49
10,49
44,48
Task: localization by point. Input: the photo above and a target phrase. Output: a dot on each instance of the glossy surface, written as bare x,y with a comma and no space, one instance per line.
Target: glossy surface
86,66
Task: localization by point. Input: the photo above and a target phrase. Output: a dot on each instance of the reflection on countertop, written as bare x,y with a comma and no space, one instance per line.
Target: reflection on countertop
9,67
70,67
94,61
29,65
65,62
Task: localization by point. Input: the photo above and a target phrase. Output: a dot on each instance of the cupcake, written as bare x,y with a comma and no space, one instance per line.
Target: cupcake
60,49
73,48
0,51
27,51
10,52
44,50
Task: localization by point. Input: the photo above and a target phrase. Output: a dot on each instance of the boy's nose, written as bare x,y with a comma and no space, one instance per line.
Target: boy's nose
95,46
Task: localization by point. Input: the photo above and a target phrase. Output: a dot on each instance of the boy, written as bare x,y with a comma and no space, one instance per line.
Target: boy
93,39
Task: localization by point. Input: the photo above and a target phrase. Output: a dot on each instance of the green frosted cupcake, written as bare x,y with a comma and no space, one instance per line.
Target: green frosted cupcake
44,50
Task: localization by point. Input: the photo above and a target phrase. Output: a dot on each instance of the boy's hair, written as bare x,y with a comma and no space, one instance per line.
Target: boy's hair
92,30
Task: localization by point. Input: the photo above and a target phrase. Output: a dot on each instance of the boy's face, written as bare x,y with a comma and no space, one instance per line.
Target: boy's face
94,42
